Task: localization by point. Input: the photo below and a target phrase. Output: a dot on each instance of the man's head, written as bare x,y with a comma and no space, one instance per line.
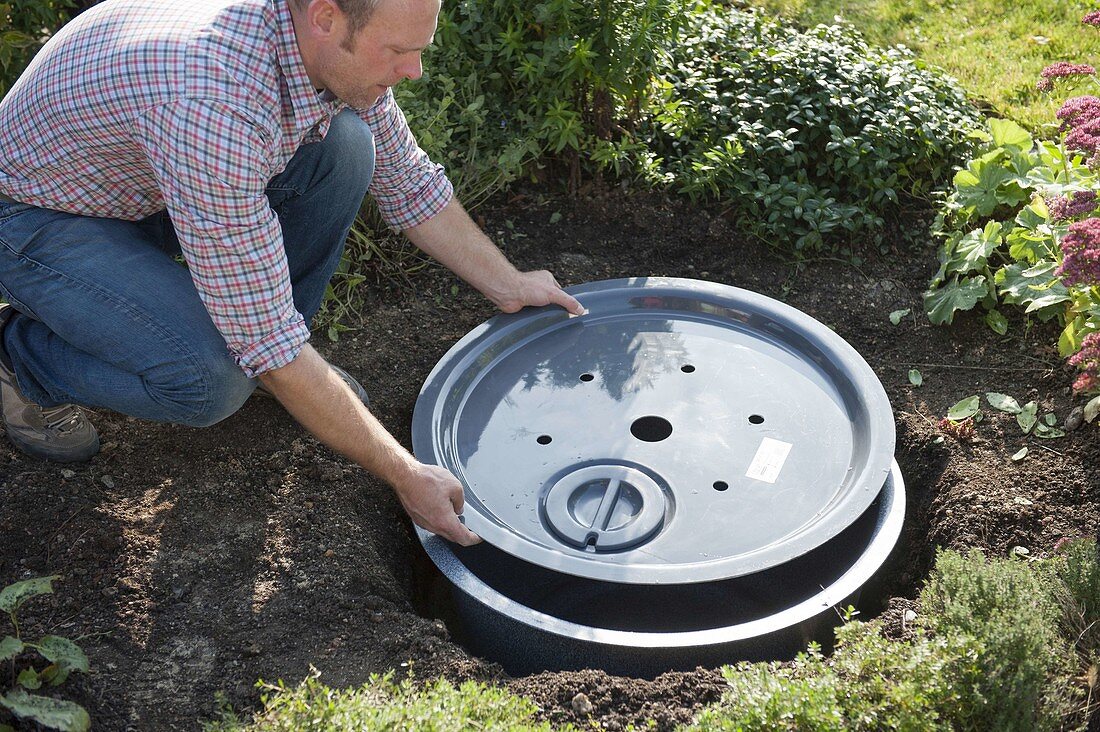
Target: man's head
357,49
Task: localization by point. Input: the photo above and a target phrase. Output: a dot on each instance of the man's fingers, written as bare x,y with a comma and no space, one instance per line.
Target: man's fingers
456,531
456,498
567,301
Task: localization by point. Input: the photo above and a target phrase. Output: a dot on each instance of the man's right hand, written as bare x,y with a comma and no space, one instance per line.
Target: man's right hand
433,499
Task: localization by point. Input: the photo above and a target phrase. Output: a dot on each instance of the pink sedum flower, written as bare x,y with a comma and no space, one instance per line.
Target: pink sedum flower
1081,122
1062,70
1088,361
1081,254
1086,383
1092,18
1064,208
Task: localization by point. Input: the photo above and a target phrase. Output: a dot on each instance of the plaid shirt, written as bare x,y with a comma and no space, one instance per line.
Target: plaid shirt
194,105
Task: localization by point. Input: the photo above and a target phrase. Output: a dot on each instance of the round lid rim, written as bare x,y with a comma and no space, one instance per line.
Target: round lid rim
860,375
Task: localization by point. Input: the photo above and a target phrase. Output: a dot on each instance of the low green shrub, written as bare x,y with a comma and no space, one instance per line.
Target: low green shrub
507,81
1025,662
387,706
869,683
994,650
27,25
1077,593
802,135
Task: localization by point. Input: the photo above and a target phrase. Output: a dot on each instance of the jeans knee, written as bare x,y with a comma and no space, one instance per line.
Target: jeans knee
348,150
214,391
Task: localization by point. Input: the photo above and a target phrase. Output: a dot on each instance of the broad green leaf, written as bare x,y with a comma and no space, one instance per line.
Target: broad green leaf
1046,301
897,315
1050,419
942,303
996,322
1026,418
55,675
28,679
1019,286
915,377
1002,402
985,185
1030,246
964,409
63,652
973,250
1033,215
14,595
1007,133
1092,409
1020,455
10,648
55,713
1069,341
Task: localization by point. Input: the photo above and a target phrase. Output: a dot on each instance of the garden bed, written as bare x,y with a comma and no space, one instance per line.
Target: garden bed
195,561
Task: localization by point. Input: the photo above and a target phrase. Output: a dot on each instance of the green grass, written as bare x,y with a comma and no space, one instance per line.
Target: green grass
995,49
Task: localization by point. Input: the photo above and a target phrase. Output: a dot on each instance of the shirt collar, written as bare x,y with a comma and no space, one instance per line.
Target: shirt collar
306,104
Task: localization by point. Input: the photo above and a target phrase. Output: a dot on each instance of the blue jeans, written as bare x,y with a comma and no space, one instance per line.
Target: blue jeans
108,318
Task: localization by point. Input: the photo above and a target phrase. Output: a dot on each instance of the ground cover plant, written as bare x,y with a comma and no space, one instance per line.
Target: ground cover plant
383,704
995,49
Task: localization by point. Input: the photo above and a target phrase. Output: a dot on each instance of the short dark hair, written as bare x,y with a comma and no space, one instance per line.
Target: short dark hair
358,11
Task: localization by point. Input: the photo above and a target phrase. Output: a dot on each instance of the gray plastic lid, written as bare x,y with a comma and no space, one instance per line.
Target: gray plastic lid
681,431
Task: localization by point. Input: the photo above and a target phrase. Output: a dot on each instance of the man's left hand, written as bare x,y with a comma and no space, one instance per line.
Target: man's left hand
535,289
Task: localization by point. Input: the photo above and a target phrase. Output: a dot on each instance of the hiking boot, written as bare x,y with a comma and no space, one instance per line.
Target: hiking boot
62,434
348,379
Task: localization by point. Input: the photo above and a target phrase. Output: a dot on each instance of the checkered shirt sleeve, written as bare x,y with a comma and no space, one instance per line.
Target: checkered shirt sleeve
213,185
408,187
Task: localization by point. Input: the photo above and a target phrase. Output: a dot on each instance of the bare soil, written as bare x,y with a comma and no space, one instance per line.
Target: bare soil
194,562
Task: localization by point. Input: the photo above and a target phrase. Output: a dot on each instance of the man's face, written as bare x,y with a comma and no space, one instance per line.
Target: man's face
359,68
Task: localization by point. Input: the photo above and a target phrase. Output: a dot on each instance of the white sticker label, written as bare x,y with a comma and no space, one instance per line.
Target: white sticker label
769,460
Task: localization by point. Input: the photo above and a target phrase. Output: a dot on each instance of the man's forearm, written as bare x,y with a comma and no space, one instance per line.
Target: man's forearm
322,403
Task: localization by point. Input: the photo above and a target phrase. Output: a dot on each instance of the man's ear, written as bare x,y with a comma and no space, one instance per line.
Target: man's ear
323,17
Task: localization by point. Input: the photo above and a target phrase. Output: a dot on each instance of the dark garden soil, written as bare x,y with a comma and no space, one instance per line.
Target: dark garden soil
195,561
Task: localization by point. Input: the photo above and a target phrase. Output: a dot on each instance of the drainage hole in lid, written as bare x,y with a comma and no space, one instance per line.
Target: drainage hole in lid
756,418
544,439
721,485
587,377
651,429
687,368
